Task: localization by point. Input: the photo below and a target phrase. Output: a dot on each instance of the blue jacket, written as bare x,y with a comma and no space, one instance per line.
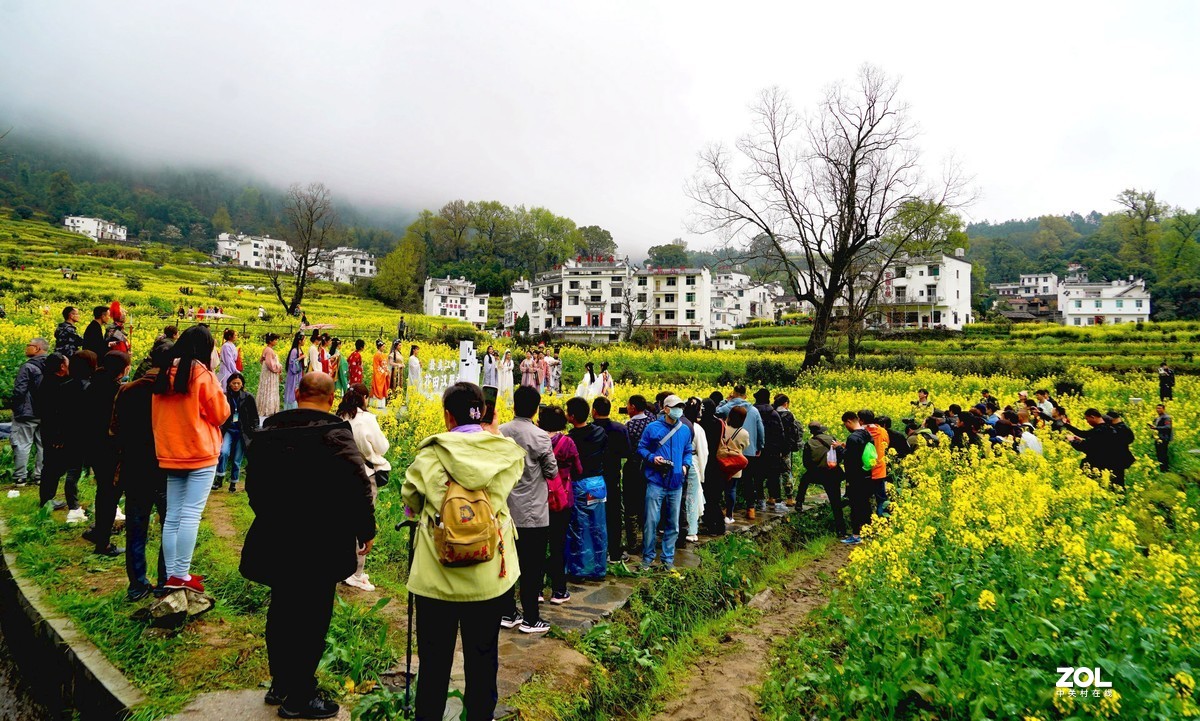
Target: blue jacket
754,424
678,450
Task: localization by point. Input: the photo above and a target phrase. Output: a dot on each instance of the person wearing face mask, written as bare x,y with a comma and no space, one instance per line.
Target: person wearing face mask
666,449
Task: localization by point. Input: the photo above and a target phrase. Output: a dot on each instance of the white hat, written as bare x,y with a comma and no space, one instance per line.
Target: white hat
672,401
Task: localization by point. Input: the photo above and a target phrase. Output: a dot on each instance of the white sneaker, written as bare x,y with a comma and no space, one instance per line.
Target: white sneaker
762,505
76,516
120,516
360,583
692,538
728,521
781,507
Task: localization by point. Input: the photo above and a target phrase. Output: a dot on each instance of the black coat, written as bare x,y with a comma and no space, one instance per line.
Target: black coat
308,487
592,443
99,448
617,449
60,406
132,431
93,339
773,425
247,412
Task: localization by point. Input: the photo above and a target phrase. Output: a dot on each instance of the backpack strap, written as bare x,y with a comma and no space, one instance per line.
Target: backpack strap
663,441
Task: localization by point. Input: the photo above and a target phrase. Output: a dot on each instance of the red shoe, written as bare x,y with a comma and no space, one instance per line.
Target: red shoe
175,583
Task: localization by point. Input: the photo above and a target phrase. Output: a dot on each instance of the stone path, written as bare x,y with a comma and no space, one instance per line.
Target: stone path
521,656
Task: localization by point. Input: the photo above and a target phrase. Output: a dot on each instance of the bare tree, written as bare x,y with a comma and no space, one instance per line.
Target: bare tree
817,192
310,221
636,313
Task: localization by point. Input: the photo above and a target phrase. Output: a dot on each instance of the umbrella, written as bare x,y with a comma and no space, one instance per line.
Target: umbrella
217,315
318,326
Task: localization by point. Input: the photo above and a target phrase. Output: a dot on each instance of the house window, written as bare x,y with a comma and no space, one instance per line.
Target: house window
596,299
1137,303
741,293
694,335
671,282
642,280
1120,304
670,315
901,271
641,297
691,280
443,299
1098,304
574,285
615,308
691,315
670,298
615,293
937,316
921,272
1079,304
901,295
595,284
573,300
1077,321
690,297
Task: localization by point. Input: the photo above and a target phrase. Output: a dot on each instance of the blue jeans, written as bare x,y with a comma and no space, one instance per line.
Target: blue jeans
656,497
232,450
138,505
187,492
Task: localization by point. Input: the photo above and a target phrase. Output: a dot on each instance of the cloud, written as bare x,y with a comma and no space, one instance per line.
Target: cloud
597,111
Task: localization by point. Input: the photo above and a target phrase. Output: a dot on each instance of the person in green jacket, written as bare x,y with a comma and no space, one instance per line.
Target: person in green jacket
470,598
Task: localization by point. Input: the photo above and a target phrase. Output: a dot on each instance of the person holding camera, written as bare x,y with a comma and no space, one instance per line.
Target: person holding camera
666,449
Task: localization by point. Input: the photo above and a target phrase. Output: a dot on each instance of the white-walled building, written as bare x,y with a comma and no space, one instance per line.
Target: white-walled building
252,251
673,303
927,291
343,265
1030,285
1083,303
518,302
582,300
455,298
95,228
737,300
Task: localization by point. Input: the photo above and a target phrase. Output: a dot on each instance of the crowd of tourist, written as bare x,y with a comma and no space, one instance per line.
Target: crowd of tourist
559,492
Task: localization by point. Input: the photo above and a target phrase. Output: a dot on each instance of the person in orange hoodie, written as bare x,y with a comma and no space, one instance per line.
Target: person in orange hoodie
188,410
879,472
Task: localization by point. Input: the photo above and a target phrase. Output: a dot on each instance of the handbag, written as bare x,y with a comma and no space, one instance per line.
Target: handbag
238,363
558,490
730,459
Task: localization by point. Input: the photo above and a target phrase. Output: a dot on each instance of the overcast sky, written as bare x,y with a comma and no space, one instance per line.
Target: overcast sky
597,111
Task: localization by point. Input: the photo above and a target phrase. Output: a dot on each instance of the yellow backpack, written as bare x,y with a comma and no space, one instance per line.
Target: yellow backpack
466,530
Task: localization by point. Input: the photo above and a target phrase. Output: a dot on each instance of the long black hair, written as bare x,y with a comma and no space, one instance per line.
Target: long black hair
195,345
296,341
591,371
353,401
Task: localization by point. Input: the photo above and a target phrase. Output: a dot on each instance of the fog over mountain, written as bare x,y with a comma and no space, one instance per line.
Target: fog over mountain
597,112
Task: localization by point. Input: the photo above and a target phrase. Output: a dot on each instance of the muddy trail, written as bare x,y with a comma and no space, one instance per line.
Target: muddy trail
718,686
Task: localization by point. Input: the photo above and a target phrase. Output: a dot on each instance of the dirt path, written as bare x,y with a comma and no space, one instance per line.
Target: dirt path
718,687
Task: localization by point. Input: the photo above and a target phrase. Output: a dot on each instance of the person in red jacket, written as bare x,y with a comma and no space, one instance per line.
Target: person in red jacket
188,410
